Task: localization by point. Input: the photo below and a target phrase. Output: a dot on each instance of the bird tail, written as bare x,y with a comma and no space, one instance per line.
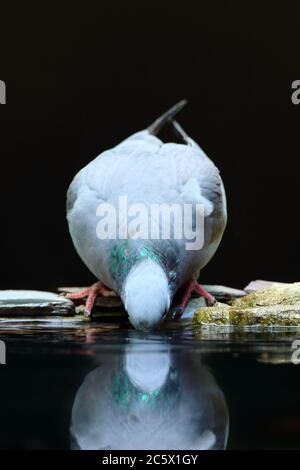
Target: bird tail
156,126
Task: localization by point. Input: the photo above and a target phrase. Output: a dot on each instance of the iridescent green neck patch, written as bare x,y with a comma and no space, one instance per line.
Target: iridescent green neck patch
125,255
128,397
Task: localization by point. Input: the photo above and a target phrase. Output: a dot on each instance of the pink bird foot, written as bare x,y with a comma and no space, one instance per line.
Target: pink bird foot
91,293
190,287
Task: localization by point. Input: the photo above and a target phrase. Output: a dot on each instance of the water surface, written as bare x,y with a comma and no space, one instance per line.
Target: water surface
180,388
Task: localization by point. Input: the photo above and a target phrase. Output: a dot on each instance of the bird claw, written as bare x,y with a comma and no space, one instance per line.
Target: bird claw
177,312
192,286
87,313
90,294
210,301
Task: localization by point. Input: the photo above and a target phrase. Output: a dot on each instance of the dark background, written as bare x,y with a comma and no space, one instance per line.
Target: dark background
81,77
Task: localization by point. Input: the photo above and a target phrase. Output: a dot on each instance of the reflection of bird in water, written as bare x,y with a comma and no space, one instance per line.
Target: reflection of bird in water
149,398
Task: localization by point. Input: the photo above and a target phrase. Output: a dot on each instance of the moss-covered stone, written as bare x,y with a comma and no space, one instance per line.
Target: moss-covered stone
277,294
278,305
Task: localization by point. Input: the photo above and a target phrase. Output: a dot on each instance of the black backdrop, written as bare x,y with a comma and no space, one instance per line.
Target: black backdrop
81,77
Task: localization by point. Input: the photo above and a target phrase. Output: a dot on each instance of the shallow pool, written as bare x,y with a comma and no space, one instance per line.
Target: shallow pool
180,388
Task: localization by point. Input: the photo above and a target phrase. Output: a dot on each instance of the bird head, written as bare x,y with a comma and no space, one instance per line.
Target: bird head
146,295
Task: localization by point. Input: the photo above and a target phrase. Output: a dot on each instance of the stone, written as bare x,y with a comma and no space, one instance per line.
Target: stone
277,294
15,303
278,305
259,284
78,326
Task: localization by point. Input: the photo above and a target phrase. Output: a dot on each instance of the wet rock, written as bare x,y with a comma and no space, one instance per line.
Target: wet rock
15,303
277,294
278,305
78,325
218,314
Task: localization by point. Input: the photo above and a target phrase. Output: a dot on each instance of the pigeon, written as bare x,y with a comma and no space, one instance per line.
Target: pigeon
135,257
148,396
